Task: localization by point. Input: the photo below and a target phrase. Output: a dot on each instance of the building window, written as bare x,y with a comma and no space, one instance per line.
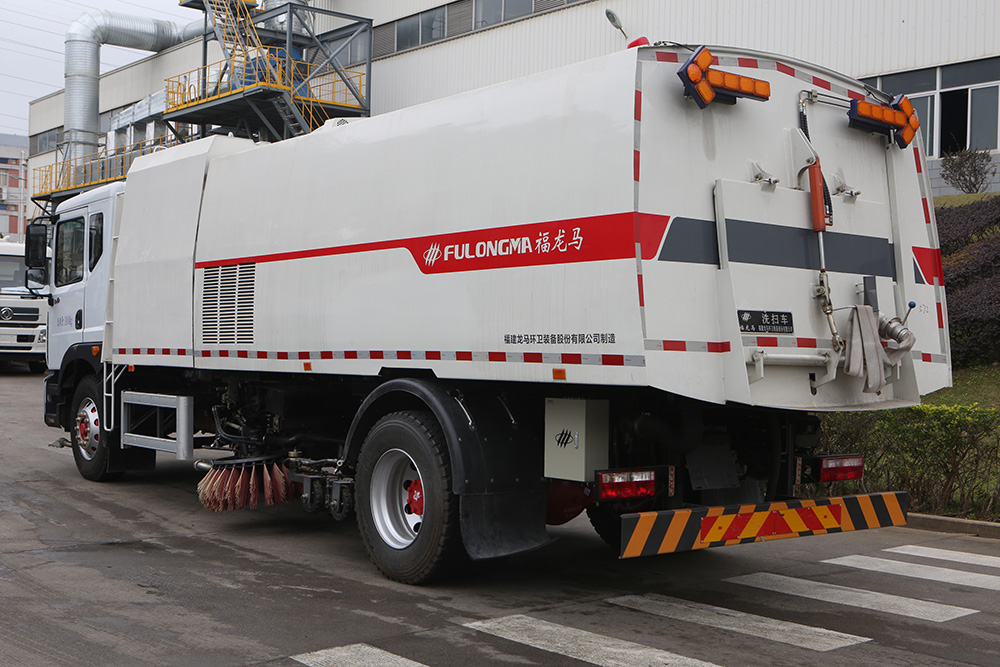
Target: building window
408,32
432,25
515,9
958,105
488,12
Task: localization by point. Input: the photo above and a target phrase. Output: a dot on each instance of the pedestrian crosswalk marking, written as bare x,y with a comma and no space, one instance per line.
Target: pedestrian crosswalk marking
354,655
917,571
854,597
581,645
805,636
946,554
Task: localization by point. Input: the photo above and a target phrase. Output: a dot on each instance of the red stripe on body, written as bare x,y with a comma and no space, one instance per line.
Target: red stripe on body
929,261
927,211
940,313
767,341
571,358
855,96
303,355
924,356
243,354
822,83
642,297
665,57
351,354
376,354
432,356
403,354
638,105
650,229
635,165
747,62
589,239
916,158
674,346
806,342
612,359
463,356
282,355
498,356
532,357
723,346
326,354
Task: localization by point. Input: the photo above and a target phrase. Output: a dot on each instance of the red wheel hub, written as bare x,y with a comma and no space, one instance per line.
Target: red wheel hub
415,497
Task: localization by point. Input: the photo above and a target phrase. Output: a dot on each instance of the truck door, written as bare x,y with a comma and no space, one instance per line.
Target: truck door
68,285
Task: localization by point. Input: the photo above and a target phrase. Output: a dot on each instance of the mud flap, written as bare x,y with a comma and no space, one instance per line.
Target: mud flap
503,524
651,533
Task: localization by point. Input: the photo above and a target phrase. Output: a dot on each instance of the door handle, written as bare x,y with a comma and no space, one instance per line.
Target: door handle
79,319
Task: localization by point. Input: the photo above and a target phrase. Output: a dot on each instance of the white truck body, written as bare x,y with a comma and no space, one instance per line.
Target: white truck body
456,272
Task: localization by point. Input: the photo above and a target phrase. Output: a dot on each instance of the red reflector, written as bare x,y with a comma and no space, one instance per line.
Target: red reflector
840,468
626,484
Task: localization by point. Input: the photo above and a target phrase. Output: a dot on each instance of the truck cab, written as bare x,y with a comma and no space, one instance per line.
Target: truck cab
78,288
22,313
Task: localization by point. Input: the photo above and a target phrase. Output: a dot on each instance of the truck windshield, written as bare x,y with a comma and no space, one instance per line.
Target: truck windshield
11,272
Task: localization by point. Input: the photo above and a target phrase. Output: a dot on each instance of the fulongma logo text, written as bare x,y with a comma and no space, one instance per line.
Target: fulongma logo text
546,242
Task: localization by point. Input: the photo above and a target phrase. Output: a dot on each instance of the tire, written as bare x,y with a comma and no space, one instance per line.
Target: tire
90,440
407,515
37,367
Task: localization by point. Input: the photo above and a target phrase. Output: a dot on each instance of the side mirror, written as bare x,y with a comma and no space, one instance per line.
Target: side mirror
36,245
36,280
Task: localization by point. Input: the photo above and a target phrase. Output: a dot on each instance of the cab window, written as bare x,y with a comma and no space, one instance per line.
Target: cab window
96,246
70,236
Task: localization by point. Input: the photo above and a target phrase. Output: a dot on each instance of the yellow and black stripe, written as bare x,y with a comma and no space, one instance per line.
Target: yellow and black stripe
651,533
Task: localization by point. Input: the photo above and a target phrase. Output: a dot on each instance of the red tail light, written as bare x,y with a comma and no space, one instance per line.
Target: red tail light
840,468
622,484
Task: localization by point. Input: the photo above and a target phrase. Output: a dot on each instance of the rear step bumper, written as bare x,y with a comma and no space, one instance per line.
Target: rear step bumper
669,531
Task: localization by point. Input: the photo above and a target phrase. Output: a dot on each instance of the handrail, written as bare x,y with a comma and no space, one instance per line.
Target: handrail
310,85
101,167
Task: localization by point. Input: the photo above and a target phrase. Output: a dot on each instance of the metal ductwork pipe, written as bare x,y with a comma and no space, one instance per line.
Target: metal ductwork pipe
83,65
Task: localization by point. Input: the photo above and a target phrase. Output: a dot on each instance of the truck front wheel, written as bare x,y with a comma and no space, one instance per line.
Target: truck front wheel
90,439
407,514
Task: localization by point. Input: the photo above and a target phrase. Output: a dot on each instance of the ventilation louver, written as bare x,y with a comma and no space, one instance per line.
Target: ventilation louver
227,305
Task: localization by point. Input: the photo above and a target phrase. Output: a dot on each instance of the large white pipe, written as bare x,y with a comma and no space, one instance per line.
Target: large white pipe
82,70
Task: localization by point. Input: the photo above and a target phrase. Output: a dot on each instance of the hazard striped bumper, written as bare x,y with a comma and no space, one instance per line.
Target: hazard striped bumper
651,533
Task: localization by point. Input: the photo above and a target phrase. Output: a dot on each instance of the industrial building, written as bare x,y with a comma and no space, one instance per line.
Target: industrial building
275,68
13,185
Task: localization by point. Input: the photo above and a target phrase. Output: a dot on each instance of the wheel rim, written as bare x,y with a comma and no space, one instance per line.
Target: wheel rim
88,429
397,499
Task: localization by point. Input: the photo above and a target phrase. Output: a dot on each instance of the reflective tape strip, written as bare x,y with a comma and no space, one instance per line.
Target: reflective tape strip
650,533
568,358
688,346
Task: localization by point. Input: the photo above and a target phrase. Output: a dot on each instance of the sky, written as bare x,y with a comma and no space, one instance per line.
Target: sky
31,47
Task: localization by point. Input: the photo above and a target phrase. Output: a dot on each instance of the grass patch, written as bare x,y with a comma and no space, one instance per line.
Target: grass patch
980,384
946,201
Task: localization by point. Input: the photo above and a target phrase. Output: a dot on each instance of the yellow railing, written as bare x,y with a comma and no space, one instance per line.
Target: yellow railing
310,85
96,168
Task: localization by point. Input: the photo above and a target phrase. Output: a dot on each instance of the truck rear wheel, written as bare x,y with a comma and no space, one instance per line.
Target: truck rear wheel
407,514
90,439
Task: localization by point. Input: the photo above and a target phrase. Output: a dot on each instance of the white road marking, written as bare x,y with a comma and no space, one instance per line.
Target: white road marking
805,636
354,655
580,644
945,554
854,597
929,572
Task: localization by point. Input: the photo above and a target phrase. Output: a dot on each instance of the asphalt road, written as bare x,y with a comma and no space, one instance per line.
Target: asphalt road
137,573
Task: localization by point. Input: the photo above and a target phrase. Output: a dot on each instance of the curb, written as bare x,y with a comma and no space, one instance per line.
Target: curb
947,524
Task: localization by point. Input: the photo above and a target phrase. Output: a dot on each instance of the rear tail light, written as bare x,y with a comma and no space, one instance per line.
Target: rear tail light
840,468
622,484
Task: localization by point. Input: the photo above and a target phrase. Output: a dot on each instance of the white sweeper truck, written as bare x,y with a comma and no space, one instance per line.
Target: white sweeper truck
625,287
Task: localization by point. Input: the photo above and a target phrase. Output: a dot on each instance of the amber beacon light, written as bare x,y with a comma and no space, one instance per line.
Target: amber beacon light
705,84
898,121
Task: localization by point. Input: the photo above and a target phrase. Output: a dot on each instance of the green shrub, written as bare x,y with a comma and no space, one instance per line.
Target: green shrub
947,458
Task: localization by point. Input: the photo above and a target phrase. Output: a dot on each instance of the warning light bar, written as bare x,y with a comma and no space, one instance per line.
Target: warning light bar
705,84
840,468
621,484
898,121
906,135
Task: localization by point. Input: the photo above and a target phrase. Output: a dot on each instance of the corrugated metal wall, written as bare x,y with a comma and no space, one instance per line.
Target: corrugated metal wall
858,37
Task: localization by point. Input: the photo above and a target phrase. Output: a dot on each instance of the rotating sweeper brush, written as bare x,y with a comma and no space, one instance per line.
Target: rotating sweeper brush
235,484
